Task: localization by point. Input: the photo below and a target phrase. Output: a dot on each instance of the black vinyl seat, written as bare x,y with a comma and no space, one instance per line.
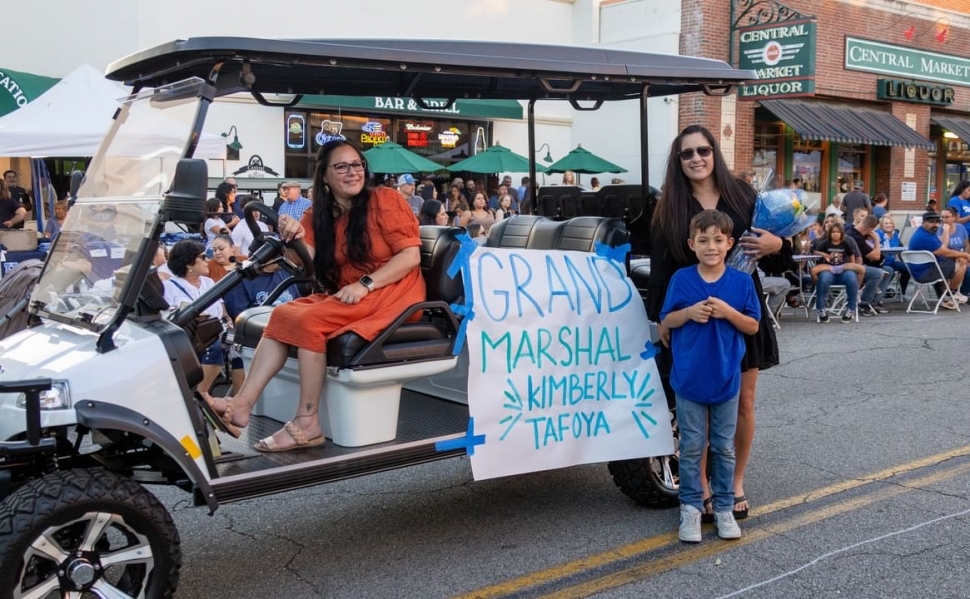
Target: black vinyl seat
432,337
541,233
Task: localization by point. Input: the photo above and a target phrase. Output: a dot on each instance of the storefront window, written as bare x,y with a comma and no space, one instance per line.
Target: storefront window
852,165
443,141
807,165
767,152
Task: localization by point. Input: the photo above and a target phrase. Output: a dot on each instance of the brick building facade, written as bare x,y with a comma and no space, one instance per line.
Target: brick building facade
791,133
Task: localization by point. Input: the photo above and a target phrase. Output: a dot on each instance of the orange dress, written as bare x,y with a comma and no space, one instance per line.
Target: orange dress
308,322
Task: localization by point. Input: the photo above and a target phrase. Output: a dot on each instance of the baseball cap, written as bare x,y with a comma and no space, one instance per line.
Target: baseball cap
858,184
928,216
291,184
405,179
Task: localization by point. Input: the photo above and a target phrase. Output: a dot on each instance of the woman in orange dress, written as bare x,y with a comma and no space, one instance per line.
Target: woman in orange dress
365,247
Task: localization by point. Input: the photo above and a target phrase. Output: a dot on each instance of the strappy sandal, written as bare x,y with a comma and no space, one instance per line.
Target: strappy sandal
740,514
269,444
707,514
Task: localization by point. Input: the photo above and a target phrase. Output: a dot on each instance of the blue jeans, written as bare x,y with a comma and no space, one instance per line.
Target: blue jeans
826,279
699,424
874,284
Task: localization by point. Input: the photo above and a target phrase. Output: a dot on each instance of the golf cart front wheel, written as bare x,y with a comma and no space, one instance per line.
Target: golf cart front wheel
87,533
652,482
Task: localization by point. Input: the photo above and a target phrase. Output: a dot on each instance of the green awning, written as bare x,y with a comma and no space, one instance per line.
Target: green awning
18,88
470,109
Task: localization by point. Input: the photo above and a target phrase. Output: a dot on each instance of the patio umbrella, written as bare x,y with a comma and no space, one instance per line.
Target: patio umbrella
583,161
390,157
496,159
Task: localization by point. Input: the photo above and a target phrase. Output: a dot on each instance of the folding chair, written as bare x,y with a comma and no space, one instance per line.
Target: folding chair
919,257
771,311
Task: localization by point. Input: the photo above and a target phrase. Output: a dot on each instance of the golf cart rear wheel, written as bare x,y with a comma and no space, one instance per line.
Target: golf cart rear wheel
653,482
87,533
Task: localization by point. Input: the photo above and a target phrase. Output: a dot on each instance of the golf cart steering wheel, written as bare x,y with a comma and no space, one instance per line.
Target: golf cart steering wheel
304,269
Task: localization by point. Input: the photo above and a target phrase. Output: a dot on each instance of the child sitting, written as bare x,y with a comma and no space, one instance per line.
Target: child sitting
708,308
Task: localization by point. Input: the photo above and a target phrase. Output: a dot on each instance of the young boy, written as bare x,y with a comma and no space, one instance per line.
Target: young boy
708,308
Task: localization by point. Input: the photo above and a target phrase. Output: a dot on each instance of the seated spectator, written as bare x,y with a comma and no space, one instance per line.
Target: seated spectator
776,288
222,258
837,268
254,292
53,226
433,213
875,279
226,194
953,263
858,214
952,234
505,208
477,232
889,238
214,224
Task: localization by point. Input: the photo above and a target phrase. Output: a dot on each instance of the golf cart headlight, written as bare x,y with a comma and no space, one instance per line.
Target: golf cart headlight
58,397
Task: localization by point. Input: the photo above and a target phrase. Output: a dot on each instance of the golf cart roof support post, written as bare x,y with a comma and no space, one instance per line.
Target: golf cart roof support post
644,144
533,187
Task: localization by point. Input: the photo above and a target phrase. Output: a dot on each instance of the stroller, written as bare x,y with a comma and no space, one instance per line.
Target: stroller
15,288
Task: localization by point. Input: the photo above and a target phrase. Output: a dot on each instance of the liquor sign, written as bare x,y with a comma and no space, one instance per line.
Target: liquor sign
887,59
914,91
783,55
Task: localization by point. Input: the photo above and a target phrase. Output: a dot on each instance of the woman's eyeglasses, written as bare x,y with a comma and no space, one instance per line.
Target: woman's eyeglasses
342,168
702,151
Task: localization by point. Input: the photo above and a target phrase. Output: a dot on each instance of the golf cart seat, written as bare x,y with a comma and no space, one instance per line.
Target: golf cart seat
541,233
364,378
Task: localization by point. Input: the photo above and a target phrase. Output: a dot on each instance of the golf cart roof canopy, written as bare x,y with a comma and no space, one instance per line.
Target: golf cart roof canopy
425,69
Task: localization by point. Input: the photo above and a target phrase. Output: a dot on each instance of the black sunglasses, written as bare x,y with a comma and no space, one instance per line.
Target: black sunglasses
702,151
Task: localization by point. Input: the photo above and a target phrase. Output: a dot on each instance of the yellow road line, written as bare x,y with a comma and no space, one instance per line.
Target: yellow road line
597,560
693,554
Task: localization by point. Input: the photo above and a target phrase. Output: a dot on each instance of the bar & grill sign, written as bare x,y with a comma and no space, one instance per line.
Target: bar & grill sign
783,55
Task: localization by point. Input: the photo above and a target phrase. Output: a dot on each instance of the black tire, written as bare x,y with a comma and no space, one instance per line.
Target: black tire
44,523
652,482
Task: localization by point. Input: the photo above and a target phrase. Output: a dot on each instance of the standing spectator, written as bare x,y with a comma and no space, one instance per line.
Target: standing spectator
569,178
880,205
294,204
504,208
479,212
454,199
503,190
708,309
952,263
17,192
214,224
749,176
594,184
524,189
469,191
405,187
960,201
12,212
428,190
835,208
797,186
856,198
697,179
226,194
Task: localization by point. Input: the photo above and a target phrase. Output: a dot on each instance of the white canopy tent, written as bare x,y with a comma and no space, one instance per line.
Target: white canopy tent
71,118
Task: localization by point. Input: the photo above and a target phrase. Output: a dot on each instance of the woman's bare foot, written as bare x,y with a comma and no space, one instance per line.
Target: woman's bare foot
235,410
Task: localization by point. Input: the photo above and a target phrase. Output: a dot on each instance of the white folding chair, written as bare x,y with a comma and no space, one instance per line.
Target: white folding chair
771,311
919,257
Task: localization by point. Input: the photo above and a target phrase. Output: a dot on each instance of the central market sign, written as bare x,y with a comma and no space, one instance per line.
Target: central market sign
887,59
783,55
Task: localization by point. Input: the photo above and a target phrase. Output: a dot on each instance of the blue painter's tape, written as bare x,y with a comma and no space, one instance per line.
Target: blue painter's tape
462,263
468,442
649,351
616,254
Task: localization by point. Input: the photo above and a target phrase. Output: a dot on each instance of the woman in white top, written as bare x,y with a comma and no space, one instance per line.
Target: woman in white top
242,237
190,270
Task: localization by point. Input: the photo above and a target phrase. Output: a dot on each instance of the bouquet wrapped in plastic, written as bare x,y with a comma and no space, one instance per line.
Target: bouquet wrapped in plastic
777,211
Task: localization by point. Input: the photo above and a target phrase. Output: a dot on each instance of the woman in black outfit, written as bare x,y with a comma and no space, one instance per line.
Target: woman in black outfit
697,178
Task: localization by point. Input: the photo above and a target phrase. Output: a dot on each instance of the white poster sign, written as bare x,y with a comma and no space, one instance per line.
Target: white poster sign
908,191
561,366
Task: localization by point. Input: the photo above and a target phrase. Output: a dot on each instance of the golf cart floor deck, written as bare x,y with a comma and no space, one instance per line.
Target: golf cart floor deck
421,417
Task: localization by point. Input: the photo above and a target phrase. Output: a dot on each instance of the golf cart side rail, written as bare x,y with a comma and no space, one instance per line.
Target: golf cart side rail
427,69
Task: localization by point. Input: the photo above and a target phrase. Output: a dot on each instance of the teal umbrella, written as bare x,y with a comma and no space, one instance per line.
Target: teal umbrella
496,159
584,161
18,88
390,157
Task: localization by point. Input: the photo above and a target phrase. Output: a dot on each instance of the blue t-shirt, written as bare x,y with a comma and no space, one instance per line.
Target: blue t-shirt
960,205
922,239
889,242
958,237
253,292
707,357
879,211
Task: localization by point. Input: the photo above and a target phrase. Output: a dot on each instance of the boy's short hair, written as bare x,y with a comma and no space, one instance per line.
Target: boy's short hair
702,221
855,213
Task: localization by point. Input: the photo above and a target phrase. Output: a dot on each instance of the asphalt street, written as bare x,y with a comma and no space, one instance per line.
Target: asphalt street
859,483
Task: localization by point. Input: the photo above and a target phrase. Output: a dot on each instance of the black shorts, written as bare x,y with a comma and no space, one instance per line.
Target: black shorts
947,265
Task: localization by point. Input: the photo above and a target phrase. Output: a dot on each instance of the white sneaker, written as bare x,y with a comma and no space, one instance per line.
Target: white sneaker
727,526
690,524
959,297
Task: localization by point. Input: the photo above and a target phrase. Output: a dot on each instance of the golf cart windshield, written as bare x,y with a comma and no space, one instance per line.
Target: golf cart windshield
116,207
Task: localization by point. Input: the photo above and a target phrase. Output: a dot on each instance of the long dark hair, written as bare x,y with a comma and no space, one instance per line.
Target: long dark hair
960,188
428,215
671,218
325,214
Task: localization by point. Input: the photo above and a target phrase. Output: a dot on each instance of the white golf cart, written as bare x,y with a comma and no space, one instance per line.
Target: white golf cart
98,399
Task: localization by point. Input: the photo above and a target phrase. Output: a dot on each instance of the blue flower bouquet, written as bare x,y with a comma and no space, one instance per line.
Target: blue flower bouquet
777,211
